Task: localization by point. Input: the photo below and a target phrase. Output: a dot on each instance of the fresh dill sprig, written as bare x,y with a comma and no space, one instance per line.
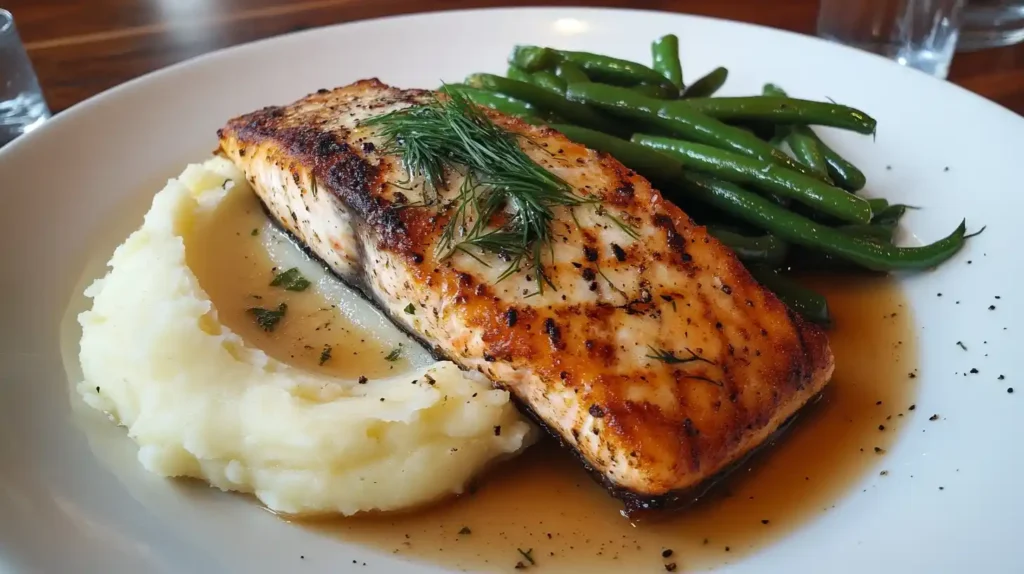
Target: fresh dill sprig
449,135
612,285
625,227
670,358
705,379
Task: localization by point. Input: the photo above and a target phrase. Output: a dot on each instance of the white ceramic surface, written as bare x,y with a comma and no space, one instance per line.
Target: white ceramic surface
72,501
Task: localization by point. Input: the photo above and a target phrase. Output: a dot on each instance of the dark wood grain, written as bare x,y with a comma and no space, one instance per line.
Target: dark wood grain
82,48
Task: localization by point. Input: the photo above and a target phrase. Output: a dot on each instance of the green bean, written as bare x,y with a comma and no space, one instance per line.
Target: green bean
764,250
810,305
806,150
764,175
892,214
803,259
655,91
653,165
791,228
778,139
804,145
549,81
665,56
679,119
872,232
707,85
843,173
516,73
542,78
612,70
878,204
532,58
785,110
571,73
572,111
495,101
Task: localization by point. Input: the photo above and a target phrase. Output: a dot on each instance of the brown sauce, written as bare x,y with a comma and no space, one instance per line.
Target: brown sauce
226,253
544,502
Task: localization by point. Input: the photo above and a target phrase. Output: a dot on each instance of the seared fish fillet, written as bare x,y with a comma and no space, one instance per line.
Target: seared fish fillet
581,358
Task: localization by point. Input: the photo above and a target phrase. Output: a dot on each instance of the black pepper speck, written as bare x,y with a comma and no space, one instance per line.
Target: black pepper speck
620,253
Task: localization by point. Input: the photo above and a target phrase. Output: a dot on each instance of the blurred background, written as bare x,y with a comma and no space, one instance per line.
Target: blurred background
79,49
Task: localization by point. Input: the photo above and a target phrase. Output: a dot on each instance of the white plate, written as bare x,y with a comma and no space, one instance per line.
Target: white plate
70,506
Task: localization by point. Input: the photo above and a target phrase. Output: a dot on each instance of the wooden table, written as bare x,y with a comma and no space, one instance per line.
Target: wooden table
82,48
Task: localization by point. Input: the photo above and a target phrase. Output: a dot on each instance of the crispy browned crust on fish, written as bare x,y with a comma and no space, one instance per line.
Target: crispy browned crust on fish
580,358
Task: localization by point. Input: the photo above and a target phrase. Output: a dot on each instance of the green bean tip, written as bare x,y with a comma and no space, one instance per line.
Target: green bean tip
963,226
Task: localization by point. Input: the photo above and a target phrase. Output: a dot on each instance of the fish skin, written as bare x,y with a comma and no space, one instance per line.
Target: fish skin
577,357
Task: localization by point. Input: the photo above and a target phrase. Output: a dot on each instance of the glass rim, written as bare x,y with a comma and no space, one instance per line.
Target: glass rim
6,20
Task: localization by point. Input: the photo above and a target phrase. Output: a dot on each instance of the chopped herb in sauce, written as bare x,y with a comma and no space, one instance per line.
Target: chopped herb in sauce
410,309
465,530
325,355
527,554
267,319
291,280
394,355
255,232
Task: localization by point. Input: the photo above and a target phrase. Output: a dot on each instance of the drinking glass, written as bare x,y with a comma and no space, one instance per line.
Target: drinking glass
991,23
22,107
921,34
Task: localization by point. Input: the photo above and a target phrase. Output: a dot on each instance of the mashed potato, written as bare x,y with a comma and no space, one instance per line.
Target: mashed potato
201,403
